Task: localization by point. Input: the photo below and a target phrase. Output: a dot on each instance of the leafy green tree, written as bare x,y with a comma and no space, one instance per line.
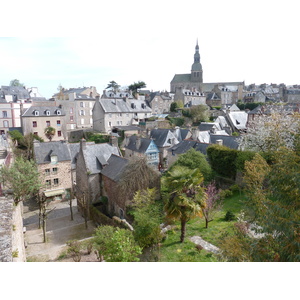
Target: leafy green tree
49,132
147,218
173,107
113,86
22,178
272,210
193,159
199,113
16,82
116,245
185,197
136,86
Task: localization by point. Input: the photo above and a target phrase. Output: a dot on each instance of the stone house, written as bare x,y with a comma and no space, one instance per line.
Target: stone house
160,103
36,118
136,145
12,99
53,160
189,97
78,105
111,113
90,161
166,138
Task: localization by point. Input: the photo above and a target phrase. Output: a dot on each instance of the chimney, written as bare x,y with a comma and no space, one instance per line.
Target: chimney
138,142
126,140
195,133
219,142
83,144
113,140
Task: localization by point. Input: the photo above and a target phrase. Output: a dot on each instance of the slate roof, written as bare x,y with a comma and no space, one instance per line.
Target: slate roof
43,151
228,141
18,92
212,96
181,78
121,106
208,87
186,145
73,149
30,112
115,167
159,136
239,119
132,144
96,155
206,126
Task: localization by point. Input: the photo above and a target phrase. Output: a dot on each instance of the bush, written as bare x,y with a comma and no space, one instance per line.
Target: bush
242,157
222,160
229,216
225,194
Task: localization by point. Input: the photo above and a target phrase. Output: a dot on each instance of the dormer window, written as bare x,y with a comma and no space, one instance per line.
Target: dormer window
36,113
54,159
58,112
48,112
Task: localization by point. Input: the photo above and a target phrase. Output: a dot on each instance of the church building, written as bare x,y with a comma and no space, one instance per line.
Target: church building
193,80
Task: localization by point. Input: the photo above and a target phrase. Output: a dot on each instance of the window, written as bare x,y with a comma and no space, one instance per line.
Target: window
5,124
36,113
58,112
4,114
48,183
54,159
109,124
82,121
109,115
59,133
91,121
58,122
47,172
81,104
34,124
47,112
48,123
54,171
71,118
82,112
91,104
71,110
55,181
35,133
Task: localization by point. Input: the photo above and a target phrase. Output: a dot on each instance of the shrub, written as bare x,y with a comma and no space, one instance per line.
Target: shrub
222,160
74,248
225,194
242,157
229,216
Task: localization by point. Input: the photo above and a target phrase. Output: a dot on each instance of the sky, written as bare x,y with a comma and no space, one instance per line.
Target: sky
91,43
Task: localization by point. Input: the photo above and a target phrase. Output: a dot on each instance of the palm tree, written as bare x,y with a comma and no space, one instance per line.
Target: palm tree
49,132
185,198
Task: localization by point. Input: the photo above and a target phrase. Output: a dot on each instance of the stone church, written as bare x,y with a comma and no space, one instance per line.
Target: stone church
194,81
191,81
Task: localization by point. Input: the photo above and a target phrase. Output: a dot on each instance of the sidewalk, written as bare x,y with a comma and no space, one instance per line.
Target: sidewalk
59,229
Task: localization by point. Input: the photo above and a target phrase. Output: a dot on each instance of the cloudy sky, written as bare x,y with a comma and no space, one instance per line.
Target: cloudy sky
93,42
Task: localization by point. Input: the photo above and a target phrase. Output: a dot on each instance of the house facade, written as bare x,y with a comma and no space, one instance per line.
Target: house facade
189,97
78,105
160,103
111,113
37,118
135,145
54,165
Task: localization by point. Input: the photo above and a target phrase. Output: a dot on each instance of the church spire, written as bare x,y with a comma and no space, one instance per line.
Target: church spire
197,72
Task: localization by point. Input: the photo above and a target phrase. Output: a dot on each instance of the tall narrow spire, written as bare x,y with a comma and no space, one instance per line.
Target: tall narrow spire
197,72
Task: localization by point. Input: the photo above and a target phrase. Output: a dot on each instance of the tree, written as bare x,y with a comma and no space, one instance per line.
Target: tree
212,202
49,132
136,86
16,82
137,175
193,159
269,132
113,86
199,113
147,218
116,245
173,107
22,178
185,197
272,211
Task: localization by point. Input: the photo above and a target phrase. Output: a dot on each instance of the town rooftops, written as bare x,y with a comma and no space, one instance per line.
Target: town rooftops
18,92
133,144
124,106
42,111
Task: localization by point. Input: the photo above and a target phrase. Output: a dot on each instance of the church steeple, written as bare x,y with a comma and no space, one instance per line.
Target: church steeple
197,72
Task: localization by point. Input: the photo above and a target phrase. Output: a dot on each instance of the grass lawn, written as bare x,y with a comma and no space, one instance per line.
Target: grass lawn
174,251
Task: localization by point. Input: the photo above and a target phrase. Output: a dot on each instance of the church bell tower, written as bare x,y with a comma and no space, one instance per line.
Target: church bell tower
197,72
